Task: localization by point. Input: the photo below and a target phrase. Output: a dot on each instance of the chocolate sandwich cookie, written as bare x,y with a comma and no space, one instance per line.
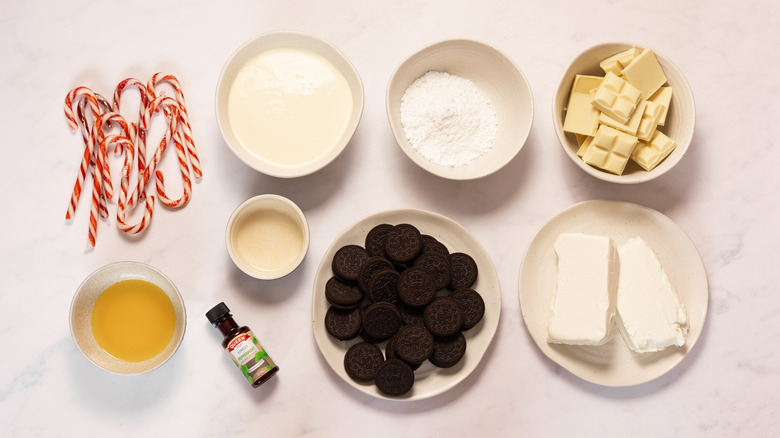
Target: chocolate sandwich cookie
414,344
347,262
443,317
371,266
391,354
416,287
381,321
384,287
342,295
403,244
410,315
447,352
430,244
343,324
394,378
464,271
472,304
375,240
362,361
438,266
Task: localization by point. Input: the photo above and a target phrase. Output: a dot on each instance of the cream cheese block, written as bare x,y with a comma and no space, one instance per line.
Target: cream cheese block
583,305
650,316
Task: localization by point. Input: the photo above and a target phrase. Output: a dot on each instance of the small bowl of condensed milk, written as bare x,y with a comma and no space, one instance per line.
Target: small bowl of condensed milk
267,236
288,103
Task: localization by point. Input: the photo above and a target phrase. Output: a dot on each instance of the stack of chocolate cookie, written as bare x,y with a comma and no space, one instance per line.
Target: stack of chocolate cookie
407,289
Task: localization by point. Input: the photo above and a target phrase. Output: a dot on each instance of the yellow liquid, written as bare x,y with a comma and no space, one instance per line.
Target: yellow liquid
268,240
133,320
289,106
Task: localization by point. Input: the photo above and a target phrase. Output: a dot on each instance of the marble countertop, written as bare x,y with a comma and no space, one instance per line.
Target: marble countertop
723,194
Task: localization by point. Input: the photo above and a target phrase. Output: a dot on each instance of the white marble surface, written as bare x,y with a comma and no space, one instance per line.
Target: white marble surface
724,194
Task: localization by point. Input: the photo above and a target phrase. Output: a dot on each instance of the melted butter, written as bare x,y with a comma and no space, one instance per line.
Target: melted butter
289,106
133,320
268,240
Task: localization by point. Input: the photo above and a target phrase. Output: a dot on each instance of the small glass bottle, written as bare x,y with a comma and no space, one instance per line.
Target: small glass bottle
242,346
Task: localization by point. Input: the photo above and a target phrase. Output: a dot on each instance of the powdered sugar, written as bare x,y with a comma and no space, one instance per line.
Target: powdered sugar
448,119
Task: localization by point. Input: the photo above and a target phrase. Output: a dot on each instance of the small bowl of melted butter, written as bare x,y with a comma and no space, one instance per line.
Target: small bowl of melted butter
267,236
288,103
127,318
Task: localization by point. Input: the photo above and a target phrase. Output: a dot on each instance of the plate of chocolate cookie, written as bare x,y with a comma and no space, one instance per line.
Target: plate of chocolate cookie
405,304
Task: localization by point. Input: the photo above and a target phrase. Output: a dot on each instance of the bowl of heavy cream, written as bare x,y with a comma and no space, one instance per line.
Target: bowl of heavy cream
267,236
288,103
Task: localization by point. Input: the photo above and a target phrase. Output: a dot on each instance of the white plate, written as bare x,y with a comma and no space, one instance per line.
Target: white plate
429,380
613,364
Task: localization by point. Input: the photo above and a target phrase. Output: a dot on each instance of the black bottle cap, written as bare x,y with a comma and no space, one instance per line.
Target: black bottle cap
217,312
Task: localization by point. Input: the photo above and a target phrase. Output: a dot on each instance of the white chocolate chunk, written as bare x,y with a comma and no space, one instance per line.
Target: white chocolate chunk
649,121
650,316
618,62
581,116
583,305
616,97
585,83
662,97
610,149
645,73
584,146
649,154
633,122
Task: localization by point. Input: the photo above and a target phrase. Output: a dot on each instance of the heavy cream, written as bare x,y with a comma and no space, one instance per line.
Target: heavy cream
583,305
289,106
650,316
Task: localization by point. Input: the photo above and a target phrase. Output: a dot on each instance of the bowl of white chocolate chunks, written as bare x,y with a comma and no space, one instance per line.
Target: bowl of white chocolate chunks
624,113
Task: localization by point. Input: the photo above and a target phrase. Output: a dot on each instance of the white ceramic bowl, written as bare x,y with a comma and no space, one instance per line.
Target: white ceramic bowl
498,78
295,40
81,315
679,124
244,223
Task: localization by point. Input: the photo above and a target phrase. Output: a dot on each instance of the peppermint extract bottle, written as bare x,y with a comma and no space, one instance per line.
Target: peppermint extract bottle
242,346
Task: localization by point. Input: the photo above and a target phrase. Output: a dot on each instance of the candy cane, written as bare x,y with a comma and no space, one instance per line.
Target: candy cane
86,128
145,99
72,97
98,182
160,77
187,184
127,131
122,205
170,110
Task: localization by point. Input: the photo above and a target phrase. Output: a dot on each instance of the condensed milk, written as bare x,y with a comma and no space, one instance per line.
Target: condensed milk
289,106
268,240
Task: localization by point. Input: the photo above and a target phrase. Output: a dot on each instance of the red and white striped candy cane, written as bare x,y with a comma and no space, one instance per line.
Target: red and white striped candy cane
151,86
98,182
145,97
127,131
122,203
72,97
170,110
86,128
186,183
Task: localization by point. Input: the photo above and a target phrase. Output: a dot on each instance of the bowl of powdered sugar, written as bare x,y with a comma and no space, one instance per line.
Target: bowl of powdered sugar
460,109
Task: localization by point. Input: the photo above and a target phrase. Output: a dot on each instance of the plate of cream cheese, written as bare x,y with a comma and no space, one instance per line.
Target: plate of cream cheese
614,292
429,380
